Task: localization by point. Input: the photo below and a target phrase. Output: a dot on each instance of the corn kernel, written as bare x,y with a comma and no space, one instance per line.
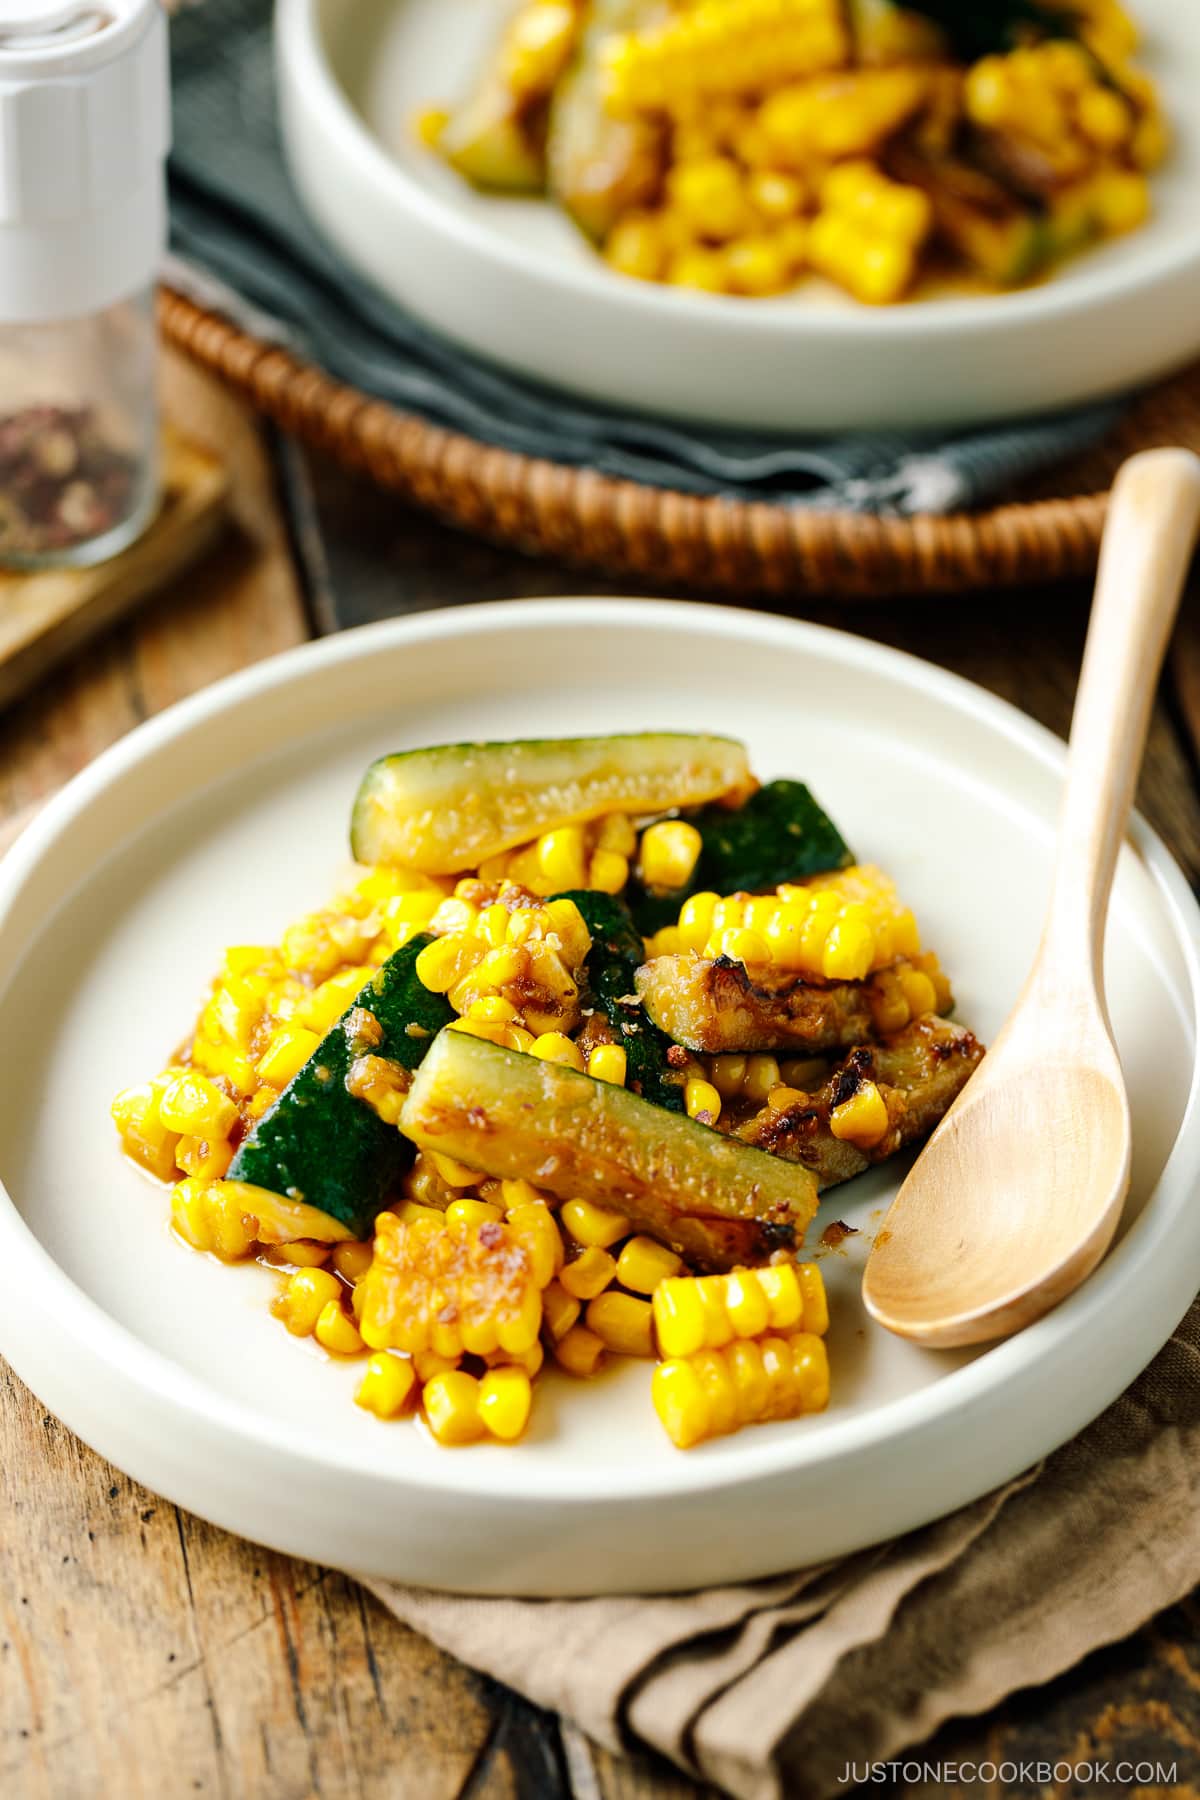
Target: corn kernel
669,853
451,1405
697,268
471,1212
386,1385
560,1310
287,1052
561,858
747,947
144,1137
1104,117
441,965
728,1074
335,1331
696,920
534,1228
505,1399
209,1216
352,1260
615,831
192,1106
848,951
589,1274
596,1227
608,1062
762,1074
703,1102
861,1120
494,1008
428,1363
203,1160
757,266
635,247
555,1047
644,1262
621,1323
706,1312
608,871
519,1193
579,1351
304,1297
453,1173
919,992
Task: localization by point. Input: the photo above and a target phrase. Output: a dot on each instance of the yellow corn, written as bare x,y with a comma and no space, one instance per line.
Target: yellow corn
579,1351
450,1287
144,1136
386,1385
589,1274
192,1106
594,1226
608,1062
863,1119
723,47
304,1298
712,1392
706,1312
813,123
622,1324
286,1054
468,1212
451,1406
560,855
560,1310
211,1216
533,1227
608,871
454,1173
556,1047
205,1160
505,1399
838,926
335,1331
702,1100
351,1260
644,1262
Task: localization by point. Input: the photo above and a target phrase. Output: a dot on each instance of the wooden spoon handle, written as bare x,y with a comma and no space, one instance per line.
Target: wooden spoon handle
1153,519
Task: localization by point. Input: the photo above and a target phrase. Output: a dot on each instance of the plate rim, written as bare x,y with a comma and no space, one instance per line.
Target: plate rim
148,1370
299,42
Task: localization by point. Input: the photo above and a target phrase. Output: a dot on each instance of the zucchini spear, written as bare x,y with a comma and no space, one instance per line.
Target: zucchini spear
714,1200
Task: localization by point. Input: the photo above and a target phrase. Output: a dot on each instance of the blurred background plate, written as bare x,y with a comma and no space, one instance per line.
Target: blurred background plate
512,279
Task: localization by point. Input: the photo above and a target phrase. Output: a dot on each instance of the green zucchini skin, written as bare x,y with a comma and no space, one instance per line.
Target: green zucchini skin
321,1144
616,955
716,1200
447,807
780,834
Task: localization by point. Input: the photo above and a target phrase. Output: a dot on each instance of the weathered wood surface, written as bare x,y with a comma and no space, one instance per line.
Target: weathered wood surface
146,1654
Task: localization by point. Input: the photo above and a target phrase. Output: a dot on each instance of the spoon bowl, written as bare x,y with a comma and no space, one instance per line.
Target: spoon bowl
1018,1193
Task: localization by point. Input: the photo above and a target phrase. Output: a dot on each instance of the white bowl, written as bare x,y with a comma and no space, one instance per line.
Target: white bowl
224,818
513,280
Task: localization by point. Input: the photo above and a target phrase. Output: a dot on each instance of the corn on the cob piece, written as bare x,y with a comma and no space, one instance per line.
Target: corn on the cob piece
723,47
839,926
450,1287
706,1312
712,1392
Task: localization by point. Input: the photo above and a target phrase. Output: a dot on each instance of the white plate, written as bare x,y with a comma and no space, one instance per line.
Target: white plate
514,281
222,819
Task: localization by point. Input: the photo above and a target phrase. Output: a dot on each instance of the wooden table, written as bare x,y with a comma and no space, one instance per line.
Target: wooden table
146,1654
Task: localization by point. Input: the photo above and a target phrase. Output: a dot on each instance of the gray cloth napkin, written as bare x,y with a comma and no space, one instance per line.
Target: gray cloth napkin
244,246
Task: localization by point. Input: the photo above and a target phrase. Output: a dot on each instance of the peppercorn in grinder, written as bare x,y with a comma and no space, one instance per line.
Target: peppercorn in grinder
84,131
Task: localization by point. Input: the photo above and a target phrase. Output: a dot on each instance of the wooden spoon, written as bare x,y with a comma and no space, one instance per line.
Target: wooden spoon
1018,1192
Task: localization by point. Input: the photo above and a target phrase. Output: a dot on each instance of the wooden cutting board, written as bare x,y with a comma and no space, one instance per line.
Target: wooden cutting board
47,614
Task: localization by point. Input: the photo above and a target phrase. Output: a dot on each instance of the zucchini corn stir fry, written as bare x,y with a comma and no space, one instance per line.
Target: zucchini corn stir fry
740,145
539,1093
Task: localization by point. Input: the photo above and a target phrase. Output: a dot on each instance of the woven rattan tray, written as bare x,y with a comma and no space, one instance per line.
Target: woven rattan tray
577,516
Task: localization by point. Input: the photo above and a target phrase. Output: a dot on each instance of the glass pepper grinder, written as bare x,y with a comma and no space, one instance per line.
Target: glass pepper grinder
84,129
